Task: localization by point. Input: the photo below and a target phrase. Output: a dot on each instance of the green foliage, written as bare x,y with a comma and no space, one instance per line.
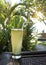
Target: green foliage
16,22
15,16
27,44
4,33
5,40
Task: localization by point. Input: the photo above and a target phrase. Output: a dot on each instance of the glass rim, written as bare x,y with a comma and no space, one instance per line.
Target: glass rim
17,29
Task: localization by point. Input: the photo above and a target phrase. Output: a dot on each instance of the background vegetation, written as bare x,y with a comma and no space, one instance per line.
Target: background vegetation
14,16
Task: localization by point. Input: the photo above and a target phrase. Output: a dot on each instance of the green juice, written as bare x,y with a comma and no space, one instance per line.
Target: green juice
16,40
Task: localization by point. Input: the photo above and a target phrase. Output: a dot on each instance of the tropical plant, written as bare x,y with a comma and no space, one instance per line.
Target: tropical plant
14,16
4,29
28,37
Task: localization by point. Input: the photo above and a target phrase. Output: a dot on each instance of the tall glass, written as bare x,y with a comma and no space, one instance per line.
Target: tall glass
16,40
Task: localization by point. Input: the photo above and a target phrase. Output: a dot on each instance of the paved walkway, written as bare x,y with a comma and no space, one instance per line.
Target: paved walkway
41,47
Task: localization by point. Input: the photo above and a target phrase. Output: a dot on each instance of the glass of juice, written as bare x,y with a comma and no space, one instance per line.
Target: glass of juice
16,40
